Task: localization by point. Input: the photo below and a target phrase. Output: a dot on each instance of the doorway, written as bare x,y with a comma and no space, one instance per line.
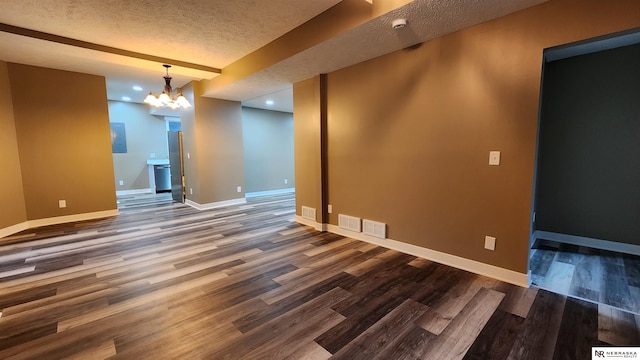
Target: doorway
585,228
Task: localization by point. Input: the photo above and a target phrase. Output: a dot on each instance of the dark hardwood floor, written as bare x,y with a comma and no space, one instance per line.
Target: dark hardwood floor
165,281
586,273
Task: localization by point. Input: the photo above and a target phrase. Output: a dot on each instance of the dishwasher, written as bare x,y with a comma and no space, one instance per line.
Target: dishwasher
162,174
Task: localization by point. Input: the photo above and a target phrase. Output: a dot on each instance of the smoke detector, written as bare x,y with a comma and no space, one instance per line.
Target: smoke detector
399,23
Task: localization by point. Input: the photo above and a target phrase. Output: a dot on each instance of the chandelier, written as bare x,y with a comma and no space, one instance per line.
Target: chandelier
166,99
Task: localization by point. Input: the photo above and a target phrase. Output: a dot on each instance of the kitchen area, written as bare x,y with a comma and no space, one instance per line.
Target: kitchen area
140,148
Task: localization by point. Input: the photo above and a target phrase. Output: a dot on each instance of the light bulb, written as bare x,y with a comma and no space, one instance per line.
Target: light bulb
150,99
164,98
183,102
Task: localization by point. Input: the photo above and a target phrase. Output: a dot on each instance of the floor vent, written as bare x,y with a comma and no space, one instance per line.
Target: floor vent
309,213
374,228
349,222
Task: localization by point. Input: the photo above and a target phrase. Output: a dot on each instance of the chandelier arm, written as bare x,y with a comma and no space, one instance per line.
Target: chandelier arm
166,98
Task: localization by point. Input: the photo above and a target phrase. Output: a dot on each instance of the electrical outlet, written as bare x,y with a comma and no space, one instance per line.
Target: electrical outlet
489,243
190,191
286,181
62,204
188,155
239,188
494,157
121,182
329,209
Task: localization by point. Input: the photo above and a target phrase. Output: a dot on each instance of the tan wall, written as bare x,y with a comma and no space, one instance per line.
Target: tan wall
62,127
12,207
212,131
189,146
146,134
268,149
306,130
410,133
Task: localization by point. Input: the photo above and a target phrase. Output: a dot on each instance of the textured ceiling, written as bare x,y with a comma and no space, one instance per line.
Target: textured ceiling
426,20
215,33
207,32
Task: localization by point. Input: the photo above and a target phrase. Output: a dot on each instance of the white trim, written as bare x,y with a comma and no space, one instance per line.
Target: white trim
214,205
30,224
473,266
71,218
158,162
133,192
14,229
314,224
588,242
270,192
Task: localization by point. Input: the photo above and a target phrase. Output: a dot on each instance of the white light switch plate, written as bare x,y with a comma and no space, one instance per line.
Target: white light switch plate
489,243
62,203
494,157
329,209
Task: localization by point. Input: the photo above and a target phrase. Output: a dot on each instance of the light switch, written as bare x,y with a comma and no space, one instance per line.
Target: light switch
329,209
62,203
494,157
489,243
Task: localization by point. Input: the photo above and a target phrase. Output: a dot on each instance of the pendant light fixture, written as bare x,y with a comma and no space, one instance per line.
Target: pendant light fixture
166,99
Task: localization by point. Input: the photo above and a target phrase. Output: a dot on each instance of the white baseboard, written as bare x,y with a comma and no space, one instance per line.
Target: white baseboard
587,242
473,266
29,224
270,192
217,204
13,229
71,218
314,224
133,192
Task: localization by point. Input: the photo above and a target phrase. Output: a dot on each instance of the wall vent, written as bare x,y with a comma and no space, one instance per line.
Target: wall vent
309,213
349,222
374,228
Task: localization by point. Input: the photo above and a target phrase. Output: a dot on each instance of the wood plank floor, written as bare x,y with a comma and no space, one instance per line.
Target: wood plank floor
586,273
165,281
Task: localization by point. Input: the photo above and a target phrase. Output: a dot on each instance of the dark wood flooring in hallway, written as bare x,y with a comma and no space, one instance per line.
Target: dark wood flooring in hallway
165,281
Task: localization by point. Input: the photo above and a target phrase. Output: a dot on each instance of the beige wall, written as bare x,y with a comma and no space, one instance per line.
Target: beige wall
306,130
146,134
409,133
12,207
189,146
212,136
268,149
62,127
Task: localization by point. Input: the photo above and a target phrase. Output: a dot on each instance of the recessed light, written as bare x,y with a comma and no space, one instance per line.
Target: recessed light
137,87
269,102
126,98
